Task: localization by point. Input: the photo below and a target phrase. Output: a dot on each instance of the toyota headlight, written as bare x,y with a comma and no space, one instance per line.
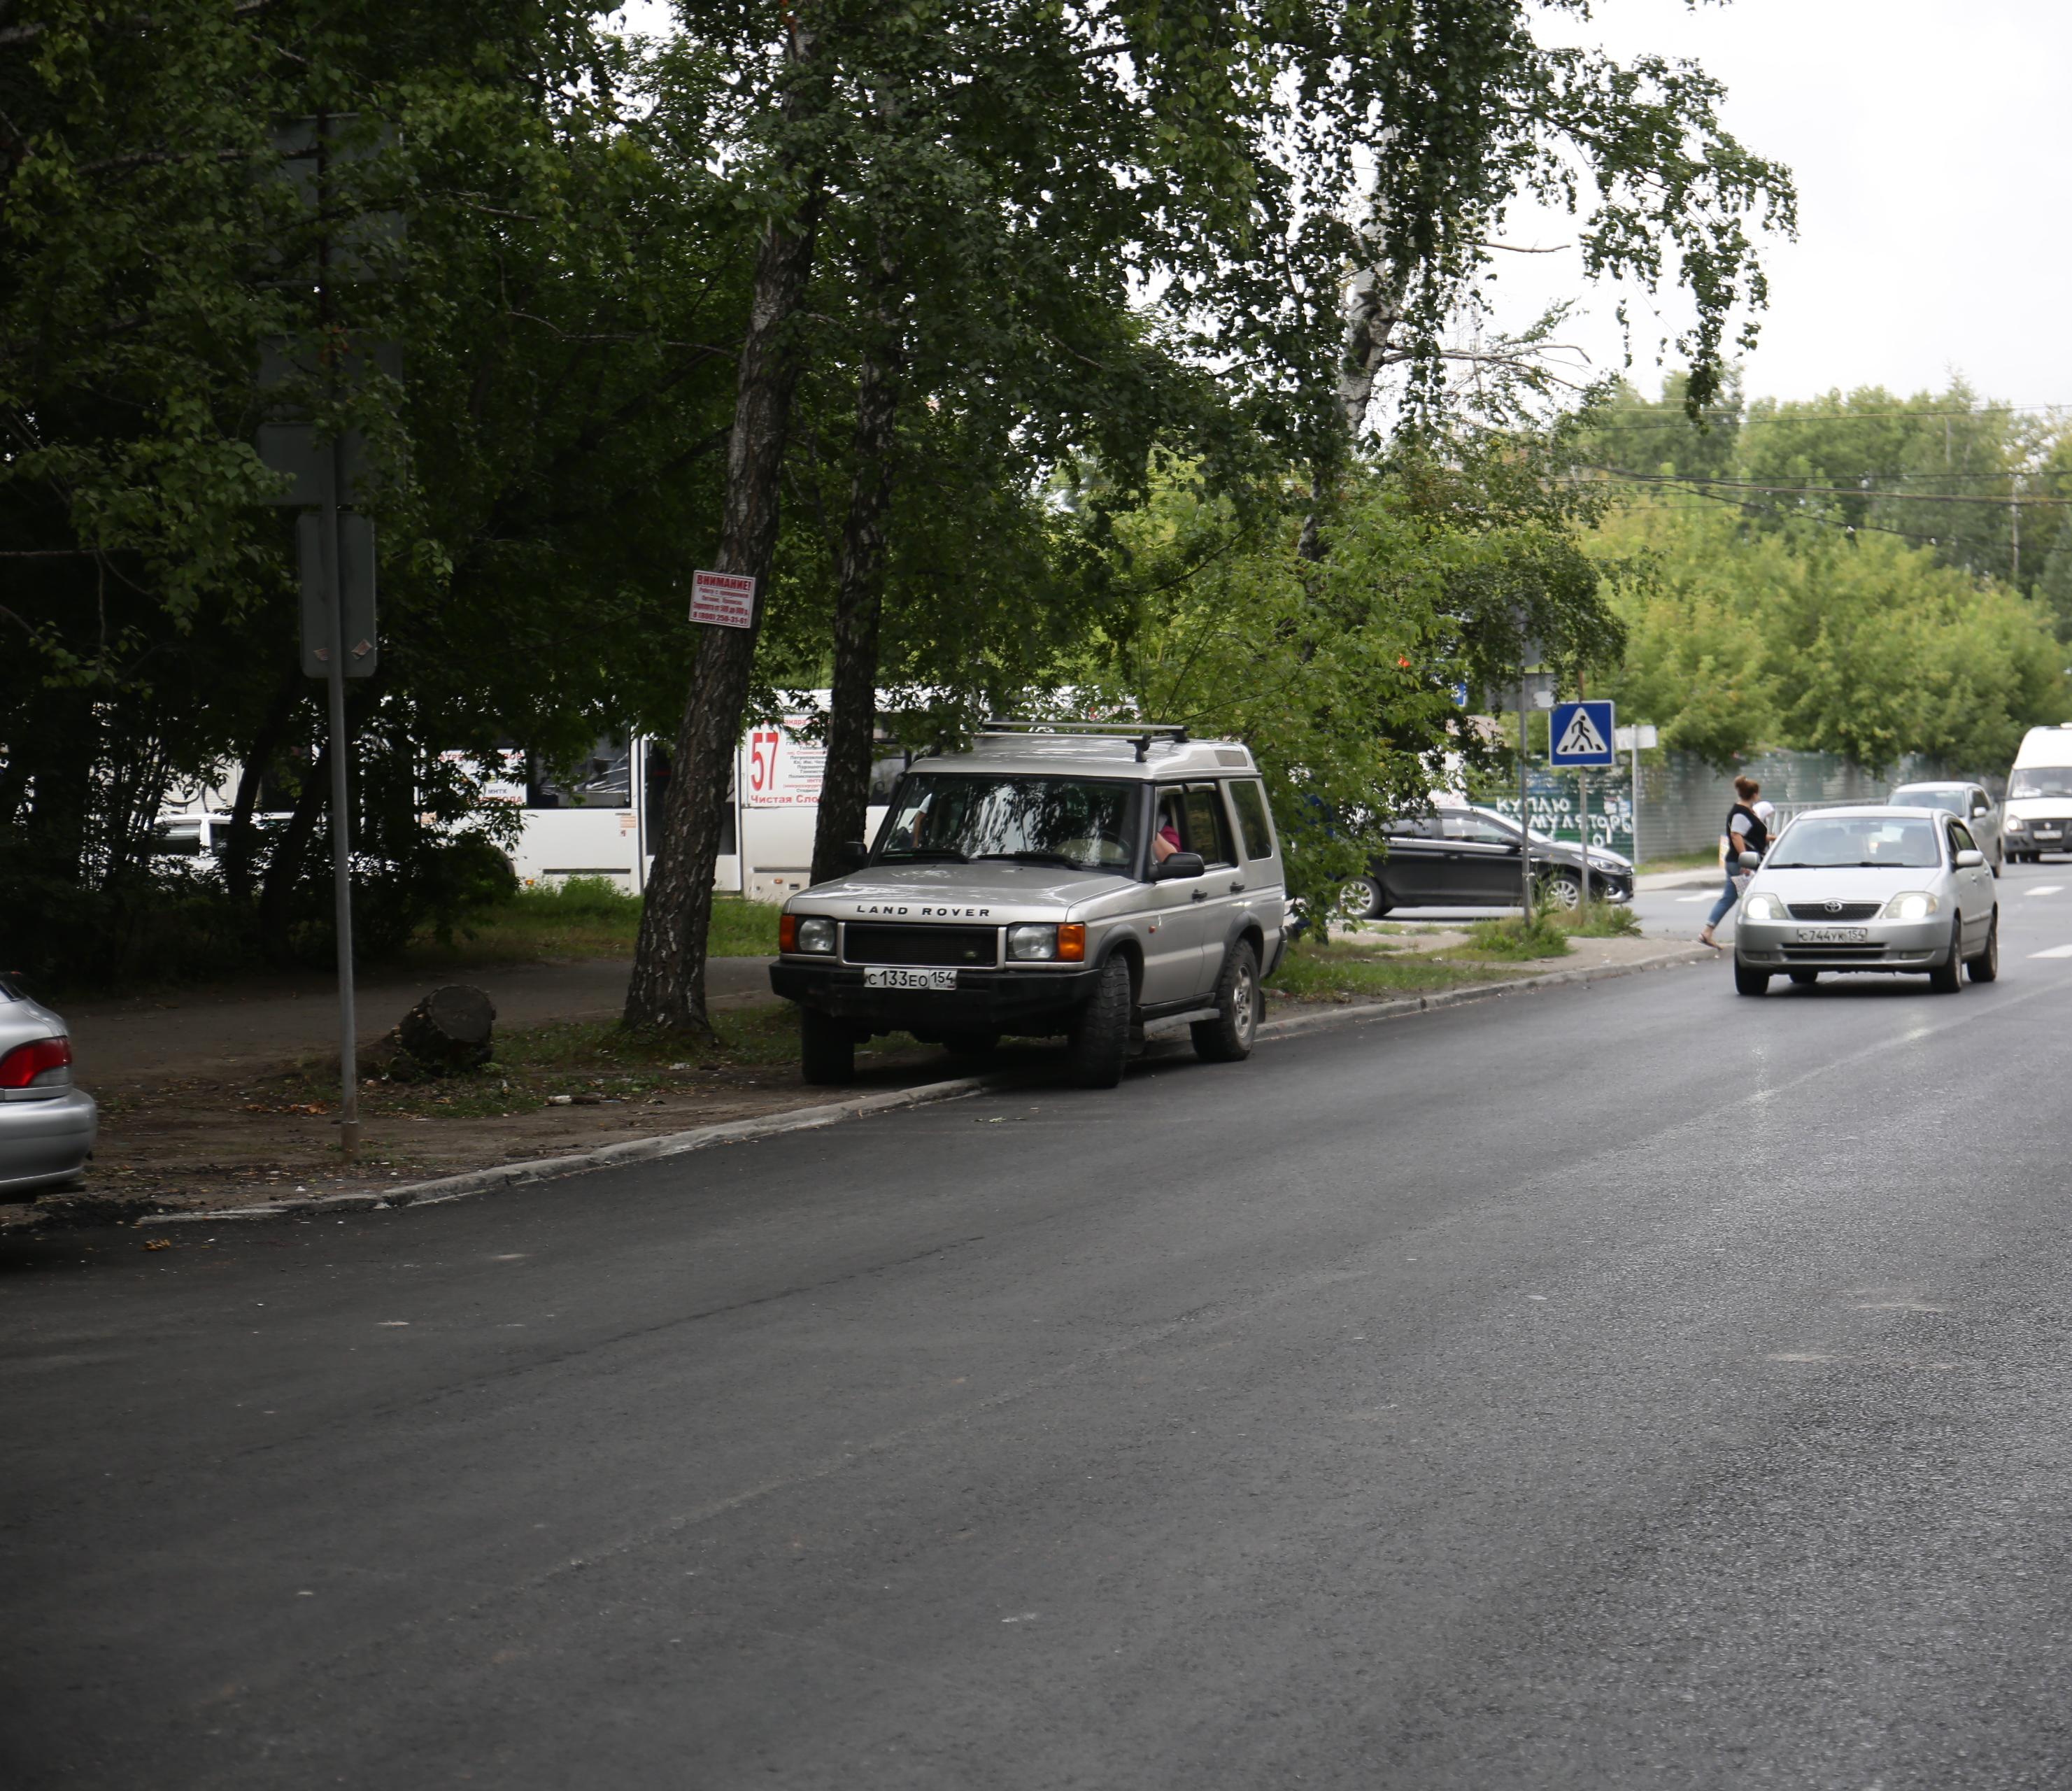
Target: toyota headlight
1763,908
1912,904
816,933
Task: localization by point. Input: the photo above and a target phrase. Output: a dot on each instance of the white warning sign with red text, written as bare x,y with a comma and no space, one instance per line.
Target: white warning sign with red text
725,599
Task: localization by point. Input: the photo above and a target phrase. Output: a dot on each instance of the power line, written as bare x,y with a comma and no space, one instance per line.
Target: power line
1743,420
1827,491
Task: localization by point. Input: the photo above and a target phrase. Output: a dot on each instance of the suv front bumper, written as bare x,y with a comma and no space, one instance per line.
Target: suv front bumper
984,1001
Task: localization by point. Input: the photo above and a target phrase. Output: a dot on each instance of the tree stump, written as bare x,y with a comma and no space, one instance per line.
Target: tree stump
449,1030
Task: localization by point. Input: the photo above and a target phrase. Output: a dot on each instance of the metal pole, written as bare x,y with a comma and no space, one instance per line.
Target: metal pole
1524,817
341,843
1635,800
1583,832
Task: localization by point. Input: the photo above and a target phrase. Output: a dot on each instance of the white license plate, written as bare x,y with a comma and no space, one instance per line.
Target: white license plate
1834,936
881,976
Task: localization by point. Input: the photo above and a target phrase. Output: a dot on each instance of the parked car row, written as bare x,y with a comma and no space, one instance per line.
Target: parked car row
1462,856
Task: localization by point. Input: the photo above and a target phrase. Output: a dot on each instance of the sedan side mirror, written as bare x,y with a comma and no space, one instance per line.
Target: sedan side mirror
1751,861
1970,861
1183,864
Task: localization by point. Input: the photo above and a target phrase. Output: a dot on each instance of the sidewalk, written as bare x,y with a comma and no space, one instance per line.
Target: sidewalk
140,1040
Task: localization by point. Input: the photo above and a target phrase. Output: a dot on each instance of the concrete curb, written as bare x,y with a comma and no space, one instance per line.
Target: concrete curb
473,1182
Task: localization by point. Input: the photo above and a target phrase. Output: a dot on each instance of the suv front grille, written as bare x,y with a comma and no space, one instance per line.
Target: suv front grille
1821,911
872,942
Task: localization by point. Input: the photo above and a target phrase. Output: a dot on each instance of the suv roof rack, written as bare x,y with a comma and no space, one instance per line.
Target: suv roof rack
1143,735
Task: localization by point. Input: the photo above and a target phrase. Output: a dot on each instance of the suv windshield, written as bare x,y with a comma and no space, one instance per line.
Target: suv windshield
2042,780
1954,798
1079,821
1820,843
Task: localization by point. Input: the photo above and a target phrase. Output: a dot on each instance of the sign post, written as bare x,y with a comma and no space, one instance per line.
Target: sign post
1632,739
1580,735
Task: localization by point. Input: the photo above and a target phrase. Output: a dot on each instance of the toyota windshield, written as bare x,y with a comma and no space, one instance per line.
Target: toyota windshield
1823,843
1084,823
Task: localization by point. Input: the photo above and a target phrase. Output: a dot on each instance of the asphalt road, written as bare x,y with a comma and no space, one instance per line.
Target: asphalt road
1634,1386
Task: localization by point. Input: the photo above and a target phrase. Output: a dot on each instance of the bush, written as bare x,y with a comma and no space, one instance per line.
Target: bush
1539,934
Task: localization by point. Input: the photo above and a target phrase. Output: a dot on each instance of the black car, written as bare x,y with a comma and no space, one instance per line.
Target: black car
1458,857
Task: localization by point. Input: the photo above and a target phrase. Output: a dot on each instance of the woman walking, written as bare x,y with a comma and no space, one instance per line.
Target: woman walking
1746,831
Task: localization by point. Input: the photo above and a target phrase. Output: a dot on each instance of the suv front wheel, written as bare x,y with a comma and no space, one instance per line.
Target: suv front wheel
1100,1041
1227,1038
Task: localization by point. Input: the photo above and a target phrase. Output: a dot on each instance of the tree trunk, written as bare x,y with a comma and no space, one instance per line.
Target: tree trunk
1374,307
284,869
668,987
272,727
860,586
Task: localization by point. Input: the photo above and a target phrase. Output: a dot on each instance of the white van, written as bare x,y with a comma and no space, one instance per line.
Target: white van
2037,817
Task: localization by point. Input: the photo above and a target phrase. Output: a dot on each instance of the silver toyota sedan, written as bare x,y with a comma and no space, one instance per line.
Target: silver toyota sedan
46,1126
1883,889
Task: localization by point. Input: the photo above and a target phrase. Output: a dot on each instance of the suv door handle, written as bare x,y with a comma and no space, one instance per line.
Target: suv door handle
1200,895
1235,888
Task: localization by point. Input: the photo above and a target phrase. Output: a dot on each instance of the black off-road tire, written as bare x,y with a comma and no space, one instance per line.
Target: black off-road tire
1099,1044
827,1049
1986,966
1749,981
1804,978
1227,1038
1947,978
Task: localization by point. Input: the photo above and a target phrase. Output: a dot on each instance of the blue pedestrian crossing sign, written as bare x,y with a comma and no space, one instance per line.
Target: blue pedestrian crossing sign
1581,734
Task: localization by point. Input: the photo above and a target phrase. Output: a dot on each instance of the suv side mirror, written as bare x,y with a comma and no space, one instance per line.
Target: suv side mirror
1183,864
854,855
1970,860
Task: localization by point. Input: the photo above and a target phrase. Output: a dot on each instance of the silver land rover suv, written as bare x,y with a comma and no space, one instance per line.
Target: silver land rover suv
1057,878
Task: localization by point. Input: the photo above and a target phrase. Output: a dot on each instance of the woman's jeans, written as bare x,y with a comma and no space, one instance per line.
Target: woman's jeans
1721,908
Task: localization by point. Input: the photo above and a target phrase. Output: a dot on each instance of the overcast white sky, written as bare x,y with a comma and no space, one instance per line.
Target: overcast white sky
1931,140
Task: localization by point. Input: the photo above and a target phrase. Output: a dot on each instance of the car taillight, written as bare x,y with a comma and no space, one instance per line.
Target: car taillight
23,1066
788,932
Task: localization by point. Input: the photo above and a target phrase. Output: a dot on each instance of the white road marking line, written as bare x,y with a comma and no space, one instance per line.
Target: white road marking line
1694,898
2055,951
2046,889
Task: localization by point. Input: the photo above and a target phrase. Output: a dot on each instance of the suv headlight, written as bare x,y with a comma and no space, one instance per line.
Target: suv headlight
1034,942
1763,908
815,933
1911,904
2014,823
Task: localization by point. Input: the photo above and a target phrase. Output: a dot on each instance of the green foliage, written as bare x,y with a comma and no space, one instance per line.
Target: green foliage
1539,934
1748,635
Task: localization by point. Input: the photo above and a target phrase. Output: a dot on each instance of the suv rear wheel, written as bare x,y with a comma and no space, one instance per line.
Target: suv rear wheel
1227,1038
827,1049
1100,1042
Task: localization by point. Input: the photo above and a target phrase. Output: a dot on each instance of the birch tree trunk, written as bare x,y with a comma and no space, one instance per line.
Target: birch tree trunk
1374,307
668,987
860,584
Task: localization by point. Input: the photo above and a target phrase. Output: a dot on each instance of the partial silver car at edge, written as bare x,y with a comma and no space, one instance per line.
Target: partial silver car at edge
46,1126
1883,888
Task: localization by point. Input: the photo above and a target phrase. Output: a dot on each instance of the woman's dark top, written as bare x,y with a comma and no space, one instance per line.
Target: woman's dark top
1755,833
